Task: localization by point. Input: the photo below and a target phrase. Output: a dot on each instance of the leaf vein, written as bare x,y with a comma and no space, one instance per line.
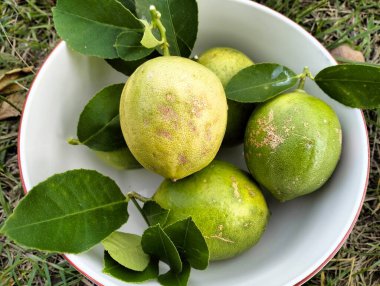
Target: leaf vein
260,85
97,22
66,216
100,130
173,29
349,80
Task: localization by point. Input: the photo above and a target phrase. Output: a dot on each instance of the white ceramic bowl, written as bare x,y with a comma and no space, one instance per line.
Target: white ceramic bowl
302,234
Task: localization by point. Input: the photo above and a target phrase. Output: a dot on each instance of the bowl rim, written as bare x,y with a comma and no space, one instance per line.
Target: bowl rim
306,277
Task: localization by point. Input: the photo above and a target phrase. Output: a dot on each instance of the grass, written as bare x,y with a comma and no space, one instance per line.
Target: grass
27,36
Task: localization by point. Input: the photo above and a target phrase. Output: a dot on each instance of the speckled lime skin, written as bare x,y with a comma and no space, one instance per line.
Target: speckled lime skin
120,159
225,204
225,63
293,144
173,115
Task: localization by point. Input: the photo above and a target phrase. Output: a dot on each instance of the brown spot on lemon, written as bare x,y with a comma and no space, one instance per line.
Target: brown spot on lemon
293,161
164,133
198,106
220,237
192,127
167,112
182,160
221,218
170,97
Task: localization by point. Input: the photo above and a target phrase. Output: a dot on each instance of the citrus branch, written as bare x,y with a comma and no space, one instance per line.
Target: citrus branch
156,21
306,73
134,197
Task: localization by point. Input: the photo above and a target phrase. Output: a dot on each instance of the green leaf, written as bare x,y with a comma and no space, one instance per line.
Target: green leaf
130,5
128,67
149,40
172,278
125,67
99,123
260,82
114,269
125,248
189,242
91,27
69,212
157,243
129,48
180,18
355,85
154,213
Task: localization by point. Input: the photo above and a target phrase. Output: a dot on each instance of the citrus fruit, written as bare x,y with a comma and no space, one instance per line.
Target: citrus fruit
173,115
225,63
292,144
119,159
224,203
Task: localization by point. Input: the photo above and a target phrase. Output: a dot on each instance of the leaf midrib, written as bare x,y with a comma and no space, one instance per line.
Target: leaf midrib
100,130
156,214
63,217
125,46
174,31
260,85
98,22
348,80
163,244
186,232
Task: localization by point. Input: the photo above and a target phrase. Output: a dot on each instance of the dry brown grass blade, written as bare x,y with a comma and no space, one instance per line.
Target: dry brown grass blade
9,77
11,105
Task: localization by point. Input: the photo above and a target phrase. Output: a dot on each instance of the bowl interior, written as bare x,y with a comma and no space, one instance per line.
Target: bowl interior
301,235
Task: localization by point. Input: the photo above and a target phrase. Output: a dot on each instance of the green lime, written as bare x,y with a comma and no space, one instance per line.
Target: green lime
119,159
225,204
225,63
292,144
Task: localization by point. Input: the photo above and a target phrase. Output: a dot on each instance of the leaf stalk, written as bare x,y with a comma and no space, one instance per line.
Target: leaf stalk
305,74
3,98
134,197
73,141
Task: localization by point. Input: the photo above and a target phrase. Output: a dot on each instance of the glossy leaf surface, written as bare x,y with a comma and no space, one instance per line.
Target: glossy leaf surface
190,242
157,243
118,271
91,27
69,212
99,123
260,82
128,67
354,85
125,249
129,48
154,213
130,5
172,278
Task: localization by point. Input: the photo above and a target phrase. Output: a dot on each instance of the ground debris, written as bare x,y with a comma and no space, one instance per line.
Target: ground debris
345,52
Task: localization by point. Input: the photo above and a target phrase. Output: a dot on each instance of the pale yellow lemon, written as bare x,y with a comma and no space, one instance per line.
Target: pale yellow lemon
173,114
